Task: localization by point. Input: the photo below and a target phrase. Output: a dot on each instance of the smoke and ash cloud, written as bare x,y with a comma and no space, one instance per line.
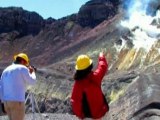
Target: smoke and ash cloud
136,5
140,23
137,13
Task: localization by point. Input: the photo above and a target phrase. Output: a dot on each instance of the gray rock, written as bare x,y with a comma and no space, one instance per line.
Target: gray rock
96,11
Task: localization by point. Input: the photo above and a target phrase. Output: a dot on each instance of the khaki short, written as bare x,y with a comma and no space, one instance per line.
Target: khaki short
15,110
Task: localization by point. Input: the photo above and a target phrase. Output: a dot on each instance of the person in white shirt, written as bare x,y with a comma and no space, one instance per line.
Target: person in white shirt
14,80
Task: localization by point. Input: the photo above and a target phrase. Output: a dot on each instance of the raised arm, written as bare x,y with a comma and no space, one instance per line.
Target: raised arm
29,76
102,68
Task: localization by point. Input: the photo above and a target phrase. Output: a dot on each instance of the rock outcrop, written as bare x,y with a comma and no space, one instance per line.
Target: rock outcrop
22,21
152,7
96,11
140,100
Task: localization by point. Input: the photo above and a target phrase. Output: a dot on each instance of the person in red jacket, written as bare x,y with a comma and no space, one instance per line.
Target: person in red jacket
87,98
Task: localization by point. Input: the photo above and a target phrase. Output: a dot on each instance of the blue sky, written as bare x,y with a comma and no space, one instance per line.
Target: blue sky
47,8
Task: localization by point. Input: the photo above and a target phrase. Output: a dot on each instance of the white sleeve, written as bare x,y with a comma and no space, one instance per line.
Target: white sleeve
1,88
28,77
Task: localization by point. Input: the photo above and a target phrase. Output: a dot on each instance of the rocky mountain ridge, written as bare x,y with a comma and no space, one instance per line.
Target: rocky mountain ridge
22,21
24,26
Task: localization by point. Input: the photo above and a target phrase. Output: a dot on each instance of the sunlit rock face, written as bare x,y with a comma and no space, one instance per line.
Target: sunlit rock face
140,55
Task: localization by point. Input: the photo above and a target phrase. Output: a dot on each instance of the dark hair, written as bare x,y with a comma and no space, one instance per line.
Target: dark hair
18,60
80,74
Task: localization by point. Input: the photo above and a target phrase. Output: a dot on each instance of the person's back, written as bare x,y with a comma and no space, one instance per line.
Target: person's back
87,98
13,83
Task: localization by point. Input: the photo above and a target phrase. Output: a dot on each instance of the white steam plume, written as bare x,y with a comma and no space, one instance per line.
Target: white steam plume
140,24
138,6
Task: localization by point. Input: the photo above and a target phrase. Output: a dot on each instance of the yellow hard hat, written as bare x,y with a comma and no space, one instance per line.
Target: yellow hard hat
83,62
23,56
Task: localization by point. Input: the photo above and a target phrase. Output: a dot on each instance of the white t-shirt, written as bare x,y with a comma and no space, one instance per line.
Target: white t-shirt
14,80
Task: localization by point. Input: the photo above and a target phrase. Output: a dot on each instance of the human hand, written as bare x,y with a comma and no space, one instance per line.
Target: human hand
31,69
101,54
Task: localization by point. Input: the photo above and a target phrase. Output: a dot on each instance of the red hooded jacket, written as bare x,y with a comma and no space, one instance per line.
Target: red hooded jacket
91,85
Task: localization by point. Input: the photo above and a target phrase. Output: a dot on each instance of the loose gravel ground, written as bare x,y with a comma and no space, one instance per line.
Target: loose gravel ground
46,117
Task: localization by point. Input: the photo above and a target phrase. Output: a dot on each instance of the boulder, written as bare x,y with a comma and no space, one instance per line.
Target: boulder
96,11
140,100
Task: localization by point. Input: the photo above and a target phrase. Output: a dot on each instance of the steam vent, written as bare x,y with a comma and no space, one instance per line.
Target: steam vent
128,31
